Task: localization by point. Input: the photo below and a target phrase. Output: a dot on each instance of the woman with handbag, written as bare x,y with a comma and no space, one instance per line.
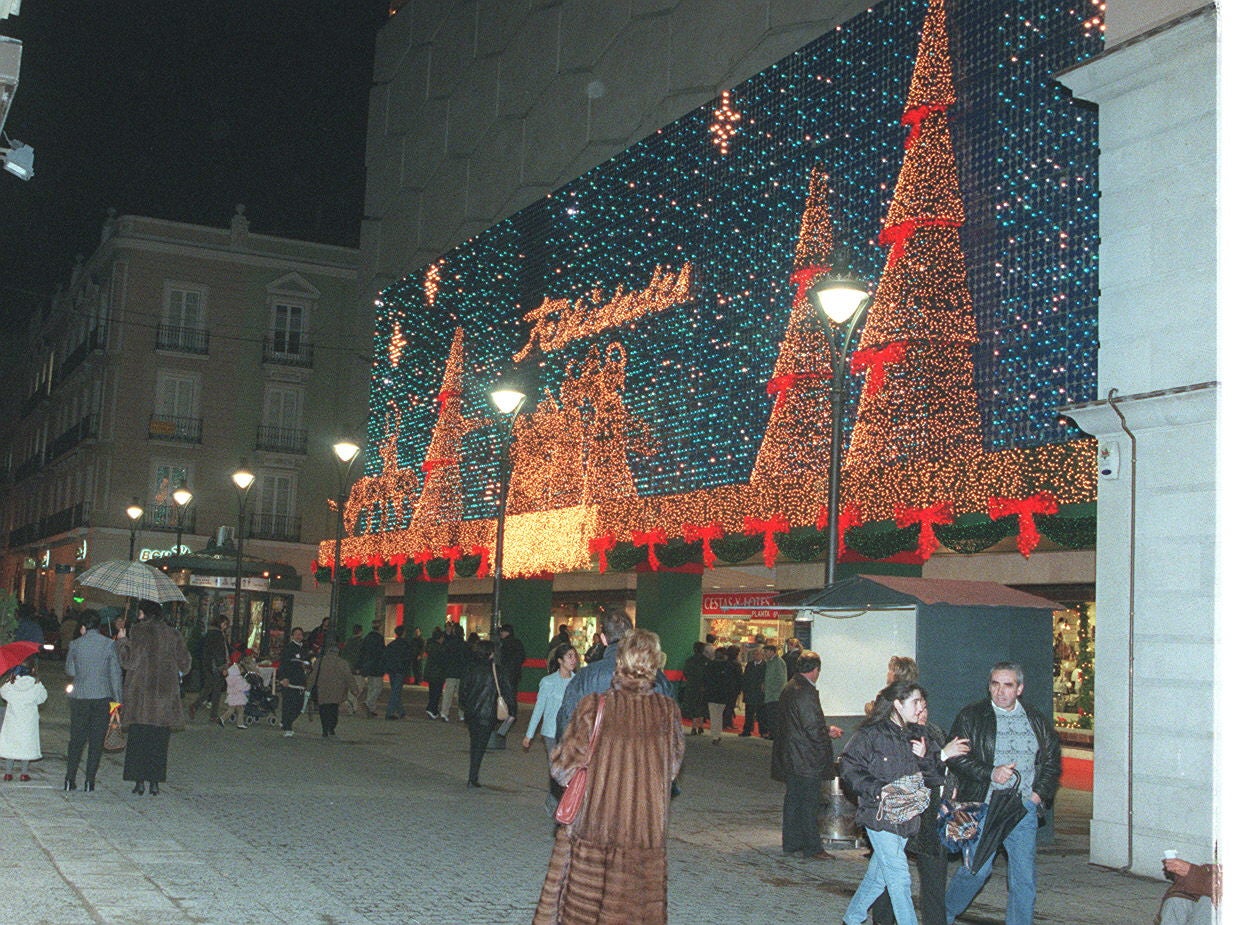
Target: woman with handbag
487,700
617,758
887,765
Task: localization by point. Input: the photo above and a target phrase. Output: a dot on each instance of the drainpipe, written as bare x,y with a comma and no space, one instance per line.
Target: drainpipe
1132,606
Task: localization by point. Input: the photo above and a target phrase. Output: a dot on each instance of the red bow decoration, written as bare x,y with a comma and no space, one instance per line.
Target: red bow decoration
399,559
446,396
768,529
914,117
849,517
897,235
451,553
432,464
927,542
650,539
1041,503
704,532
820,522
421,557
484,561
600,546
780,384
351,563
375,560
804,278
875,362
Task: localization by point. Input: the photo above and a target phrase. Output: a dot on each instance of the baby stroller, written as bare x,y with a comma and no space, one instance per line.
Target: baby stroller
260,701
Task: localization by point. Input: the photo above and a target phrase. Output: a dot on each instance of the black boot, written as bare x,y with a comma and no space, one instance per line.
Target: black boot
70,784
154,788
89,786
138,788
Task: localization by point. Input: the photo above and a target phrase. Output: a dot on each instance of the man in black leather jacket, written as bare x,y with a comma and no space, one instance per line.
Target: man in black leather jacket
1006,737
802,757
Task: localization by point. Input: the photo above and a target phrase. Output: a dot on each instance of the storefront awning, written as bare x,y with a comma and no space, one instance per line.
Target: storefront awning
882,592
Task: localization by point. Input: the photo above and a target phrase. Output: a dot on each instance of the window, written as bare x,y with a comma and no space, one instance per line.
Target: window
274,516
281,430
288,326
184,308
168,477
184,326
176,408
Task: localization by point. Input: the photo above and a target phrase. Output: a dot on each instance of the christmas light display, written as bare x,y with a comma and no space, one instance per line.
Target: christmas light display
682,378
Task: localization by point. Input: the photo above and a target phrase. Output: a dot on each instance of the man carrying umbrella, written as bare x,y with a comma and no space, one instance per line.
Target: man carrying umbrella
1012,746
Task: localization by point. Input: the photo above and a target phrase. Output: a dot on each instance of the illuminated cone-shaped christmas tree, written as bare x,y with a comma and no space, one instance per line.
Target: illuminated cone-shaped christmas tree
918,429
441,500
788,475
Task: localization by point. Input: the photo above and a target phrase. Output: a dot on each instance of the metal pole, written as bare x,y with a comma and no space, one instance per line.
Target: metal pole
334,607
180,528
833,492
236,621
505,475
133,535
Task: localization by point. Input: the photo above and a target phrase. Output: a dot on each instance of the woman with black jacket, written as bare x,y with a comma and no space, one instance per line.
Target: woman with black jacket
890,746
481,688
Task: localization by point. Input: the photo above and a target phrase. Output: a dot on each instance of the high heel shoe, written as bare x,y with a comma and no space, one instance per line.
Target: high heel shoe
138,788
89,786
71,784
154,788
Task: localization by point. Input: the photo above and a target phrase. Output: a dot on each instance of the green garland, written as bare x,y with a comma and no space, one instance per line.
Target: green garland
736,547
437,568
677,552
467,566
968,538
410,571
878,541
322,575
1071,532
386,572
624,556
804,544
364,574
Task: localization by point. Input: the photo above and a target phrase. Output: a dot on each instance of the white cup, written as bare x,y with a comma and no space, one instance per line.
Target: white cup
1170,854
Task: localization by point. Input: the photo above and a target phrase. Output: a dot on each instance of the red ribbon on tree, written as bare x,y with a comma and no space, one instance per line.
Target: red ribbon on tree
780,385
849,517
600,546
650,539
927,542
399,559
446,396
768,529
704,532
875,361
897,235
421,557
351,563
432,464
451,553
374,560
1024,508
804,278
484,562
914,117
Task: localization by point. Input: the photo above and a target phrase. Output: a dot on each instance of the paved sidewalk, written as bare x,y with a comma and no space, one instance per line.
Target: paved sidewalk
377,826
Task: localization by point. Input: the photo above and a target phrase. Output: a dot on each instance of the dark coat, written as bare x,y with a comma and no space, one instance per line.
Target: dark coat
976,722
752,681
154,657
398,658
456,657
370,658
876,755
214,652
478,694
718,682
511,659
294,662
436,661
802,739
693,691
332,676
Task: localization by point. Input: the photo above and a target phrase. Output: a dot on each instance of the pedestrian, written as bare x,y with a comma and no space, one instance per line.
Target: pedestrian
718,690
693,702
563,663
735,680
511,659
28,627
1193,895
792,651
773,681
609,865
333,679
561,638
397,663
1007,737
482,689
888,759
93,665
314,642
435,675
237,689
370,667
154,658
419,650
22,693
350,652
752,683
214,663
291,676
803,757
596,649
456,660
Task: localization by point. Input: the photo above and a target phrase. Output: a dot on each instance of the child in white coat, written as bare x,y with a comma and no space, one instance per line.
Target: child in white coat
19,735
237,689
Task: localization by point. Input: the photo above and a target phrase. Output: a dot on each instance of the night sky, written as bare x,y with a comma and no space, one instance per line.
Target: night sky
180,110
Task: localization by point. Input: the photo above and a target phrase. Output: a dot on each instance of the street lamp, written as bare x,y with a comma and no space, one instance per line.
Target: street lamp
180,500
346,453
843,298
242,480
134,512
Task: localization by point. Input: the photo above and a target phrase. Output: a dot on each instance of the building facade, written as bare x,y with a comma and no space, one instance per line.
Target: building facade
175,355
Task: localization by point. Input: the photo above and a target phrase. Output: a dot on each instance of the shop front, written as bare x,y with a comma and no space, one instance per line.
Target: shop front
739,619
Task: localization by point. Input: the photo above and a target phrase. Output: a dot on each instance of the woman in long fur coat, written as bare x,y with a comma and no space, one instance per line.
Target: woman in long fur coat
609,866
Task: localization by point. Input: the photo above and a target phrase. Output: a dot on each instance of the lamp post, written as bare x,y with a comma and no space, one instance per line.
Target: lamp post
345,452
242,480
843,298
180,500
134,513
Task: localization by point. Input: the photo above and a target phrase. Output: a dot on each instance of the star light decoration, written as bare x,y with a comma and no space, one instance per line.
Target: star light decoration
724,126
696,433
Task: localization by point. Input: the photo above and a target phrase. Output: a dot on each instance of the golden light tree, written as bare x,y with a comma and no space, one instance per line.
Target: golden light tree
442,500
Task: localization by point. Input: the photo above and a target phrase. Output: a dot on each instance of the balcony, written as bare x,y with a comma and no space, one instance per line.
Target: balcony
175,429
85,429
182,340
60,522
32,401
281,440
93,341
275,527
28,468
162,518
288,350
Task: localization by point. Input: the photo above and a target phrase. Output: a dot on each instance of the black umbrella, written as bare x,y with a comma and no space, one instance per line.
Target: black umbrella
1004,810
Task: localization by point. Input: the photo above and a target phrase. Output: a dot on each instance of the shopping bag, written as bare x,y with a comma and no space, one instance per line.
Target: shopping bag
114,738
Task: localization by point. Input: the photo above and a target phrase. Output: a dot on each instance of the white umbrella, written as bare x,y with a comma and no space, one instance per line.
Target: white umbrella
131,579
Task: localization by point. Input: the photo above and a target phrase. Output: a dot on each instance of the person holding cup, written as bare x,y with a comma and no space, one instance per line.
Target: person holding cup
1193,894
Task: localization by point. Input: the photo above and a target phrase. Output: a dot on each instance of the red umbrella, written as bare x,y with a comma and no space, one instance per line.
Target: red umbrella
14,653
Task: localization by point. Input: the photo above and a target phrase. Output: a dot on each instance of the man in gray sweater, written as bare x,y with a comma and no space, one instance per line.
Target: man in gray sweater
96,673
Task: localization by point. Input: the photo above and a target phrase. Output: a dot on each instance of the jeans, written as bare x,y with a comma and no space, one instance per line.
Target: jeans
802,798
450,687
1022,878
88,724
213,686
751,718
932,874
374,688
888,870
395,707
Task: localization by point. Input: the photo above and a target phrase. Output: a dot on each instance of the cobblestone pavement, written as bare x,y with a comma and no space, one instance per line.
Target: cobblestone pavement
377,826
